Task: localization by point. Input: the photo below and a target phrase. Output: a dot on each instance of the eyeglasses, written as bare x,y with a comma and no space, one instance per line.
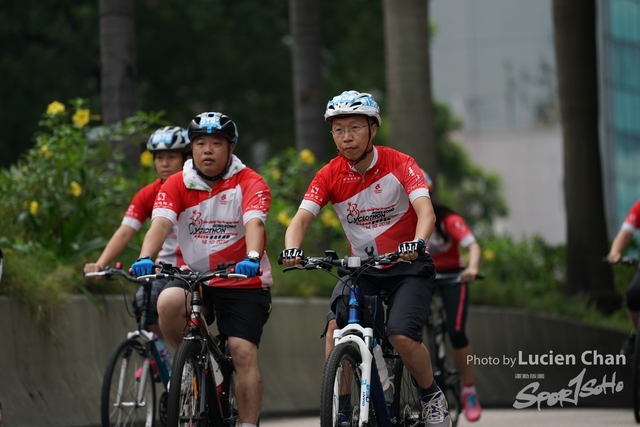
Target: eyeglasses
338,132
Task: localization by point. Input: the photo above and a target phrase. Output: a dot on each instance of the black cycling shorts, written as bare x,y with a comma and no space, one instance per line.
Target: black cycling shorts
633,293
409,287
156,287
241,313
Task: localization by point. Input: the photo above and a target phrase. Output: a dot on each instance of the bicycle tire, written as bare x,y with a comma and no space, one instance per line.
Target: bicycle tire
186,391
342,372
406,409
636,379
124,362
230,414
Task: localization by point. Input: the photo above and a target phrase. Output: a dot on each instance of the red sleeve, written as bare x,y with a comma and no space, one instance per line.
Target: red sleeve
256,195
456,228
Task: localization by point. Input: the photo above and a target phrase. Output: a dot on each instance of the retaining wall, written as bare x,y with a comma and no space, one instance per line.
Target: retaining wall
56,381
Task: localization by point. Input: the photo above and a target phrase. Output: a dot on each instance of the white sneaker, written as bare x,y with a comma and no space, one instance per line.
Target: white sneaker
435,410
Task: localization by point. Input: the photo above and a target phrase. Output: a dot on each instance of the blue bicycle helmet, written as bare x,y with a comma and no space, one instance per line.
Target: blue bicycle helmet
169,138
352,102
213,123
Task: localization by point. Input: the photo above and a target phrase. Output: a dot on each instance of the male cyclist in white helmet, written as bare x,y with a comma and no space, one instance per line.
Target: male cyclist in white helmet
382,200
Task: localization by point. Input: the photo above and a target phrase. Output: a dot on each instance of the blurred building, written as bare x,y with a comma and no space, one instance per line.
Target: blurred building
493,63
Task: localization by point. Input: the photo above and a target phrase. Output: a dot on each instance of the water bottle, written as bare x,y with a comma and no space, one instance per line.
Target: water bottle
389,392
382,367
163,350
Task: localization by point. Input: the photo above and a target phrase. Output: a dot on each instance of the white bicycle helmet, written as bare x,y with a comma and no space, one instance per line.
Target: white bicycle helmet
169,138
353,102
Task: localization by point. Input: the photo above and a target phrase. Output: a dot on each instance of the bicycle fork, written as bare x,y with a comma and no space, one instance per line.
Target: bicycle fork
371,391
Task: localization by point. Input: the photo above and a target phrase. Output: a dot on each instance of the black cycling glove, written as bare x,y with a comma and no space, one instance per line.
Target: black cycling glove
290,253
417,245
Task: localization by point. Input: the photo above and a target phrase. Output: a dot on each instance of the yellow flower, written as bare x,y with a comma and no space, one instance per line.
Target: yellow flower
307,156
46,152
33,207
329,219
122,181
488,255
276,175
55,108
76,190
284,218
81,117
146,159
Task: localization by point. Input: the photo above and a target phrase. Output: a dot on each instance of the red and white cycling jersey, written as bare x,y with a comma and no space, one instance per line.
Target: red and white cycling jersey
375,208
446,254
211,222
632,221
140,210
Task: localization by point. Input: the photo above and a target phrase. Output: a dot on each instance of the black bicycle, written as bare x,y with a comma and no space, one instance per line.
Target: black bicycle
201,391
128,391
635,360
352,393
445,371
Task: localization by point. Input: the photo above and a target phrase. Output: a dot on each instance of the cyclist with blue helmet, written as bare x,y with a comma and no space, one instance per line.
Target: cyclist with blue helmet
219,207
382,201
170,148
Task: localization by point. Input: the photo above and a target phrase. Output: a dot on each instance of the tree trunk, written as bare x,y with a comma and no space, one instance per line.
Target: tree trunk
119,76
408,75
574,24
308,94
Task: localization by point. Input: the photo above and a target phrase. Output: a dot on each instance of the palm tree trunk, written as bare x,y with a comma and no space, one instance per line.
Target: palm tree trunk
309,102
408,74
119,75
574,24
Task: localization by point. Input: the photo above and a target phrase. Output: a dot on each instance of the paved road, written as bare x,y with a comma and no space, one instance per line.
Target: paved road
559,417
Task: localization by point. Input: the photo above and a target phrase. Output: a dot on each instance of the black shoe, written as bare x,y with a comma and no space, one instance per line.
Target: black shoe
629,345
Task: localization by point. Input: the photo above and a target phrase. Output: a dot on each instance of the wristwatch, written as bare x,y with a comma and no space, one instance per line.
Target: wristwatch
253,256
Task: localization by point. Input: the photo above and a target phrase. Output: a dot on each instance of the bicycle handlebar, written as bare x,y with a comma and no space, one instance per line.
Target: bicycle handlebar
168,271
452,278
108,272
625,260
350,263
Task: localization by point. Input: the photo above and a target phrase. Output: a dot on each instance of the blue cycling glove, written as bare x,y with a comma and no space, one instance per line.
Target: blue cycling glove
142,266
249,267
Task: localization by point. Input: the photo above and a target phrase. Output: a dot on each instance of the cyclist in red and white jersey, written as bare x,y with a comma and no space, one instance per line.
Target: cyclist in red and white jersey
381,198
451,233
170,148
219,207
630,225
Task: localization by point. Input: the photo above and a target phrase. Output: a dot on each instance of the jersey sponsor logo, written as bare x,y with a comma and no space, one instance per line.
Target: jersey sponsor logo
223,199
312,194
161,196
377,189
371,218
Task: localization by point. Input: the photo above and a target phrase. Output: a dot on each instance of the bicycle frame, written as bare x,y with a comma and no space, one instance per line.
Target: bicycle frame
361,338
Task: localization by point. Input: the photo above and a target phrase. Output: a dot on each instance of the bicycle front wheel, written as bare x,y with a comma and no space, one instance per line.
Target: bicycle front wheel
340,396
128,391
192,400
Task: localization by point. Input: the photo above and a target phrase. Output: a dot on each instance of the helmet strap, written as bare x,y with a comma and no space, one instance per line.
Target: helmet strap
220,175
367,150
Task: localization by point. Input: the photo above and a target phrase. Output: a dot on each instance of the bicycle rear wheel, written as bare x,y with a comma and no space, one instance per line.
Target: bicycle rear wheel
636,379
127,400
192,402
340,396
406,409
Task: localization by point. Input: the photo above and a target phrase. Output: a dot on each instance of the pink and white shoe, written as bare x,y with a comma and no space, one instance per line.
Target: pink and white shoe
471,405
